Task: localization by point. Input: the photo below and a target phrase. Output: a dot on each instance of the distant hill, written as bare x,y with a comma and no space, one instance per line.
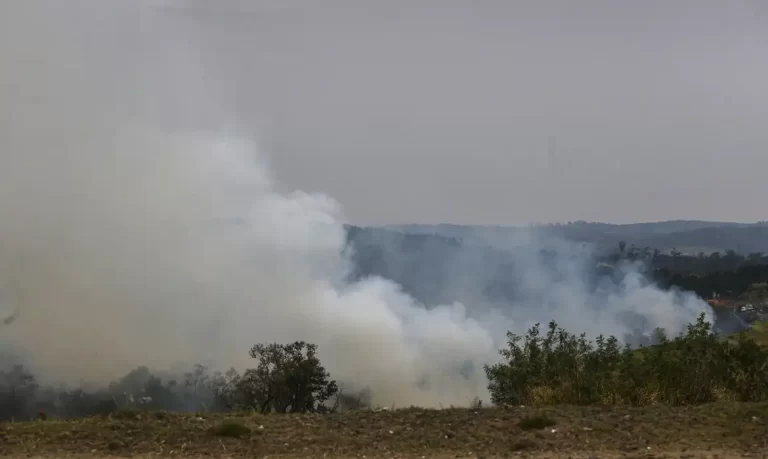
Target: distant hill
446,263
437,269
687,236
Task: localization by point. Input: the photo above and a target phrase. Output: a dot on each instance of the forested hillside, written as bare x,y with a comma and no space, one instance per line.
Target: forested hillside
683,235
436,268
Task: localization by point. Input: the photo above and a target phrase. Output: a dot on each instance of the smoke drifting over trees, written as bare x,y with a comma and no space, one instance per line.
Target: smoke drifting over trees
134,243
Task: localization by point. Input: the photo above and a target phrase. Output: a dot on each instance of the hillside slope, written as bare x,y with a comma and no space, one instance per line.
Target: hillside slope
684,235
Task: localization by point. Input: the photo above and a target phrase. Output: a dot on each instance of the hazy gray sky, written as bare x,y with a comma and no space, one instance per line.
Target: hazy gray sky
429,110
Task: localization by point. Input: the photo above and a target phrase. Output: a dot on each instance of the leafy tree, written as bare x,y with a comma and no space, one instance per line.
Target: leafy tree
197,380
225,388
288,378
132,383
159,396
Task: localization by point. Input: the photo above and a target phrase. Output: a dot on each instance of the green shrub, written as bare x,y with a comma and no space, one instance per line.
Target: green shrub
695,367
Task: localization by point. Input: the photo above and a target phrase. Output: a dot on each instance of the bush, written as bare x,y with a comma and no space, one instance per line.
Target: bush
695,367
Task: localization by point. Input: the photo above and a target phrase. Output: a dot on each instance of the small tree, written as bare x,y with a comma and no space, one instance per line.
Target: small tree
288,378
226,390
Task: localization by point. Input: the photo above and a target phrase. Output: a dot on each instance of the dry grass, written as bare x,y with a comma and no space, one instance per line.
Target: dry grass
579,432
759,332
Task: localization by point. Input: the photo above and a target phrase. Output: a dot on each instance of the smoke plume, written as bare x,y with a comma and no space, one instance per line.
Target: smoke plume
138,231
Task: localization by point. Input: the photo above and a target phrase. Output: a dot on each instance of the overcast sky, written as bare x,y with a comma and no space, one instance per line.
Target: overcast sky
484,111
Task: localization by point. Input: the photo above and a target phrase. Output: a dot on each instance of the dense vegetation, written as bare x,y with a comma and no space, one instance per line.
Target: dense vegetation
695,367
558,367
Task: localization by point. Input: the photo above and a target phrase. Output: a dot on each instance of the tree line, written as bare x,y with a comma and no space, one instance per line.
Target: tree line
286,378
697,366
729,274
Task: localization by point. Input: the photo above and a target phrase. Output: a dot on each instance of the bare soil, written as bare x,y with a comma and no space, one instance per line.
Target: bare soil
722,430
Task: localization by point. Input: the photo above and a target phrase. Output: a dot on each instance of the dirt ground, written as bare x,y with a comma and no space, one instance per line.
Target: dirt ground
723,430
534,454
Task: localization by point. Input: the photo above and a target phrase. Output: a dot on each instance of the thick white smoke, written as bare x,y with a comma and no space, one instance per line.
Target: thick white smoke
165,248
132,243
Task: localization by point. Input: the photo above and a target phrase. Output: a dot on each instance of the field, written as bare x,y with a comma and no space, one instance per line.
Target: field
714,430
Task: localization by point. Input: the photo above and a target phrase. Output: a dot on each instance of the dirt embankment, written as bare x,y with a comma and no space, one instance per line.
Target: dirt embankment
717,430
